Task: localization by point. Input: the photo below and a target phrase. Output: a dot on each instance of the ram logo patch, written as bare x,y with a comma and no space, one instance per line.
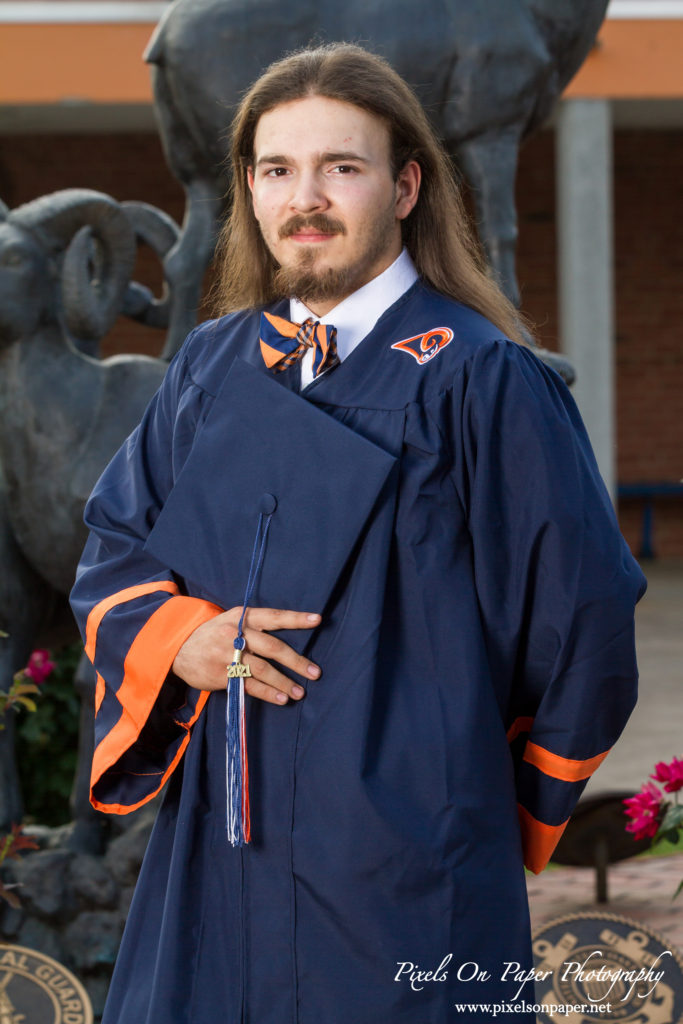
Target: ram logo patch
425,346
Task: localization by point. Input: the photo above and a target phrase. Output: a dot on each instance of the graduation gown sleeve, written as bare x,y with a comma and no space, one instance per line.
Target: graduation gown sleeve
172,523
130,609
556,584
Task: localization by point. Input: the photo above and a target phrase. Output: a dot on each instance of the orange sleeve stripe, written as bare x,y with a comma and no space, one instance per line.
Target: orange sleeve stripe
146,666
120,597
99,692
127,808
538,840
561,767
519,725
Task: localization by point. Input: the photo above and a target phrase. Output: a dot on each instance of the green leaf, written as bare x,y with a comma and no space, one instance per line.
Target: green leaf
29,704
22,688
5,846
678,890
673,819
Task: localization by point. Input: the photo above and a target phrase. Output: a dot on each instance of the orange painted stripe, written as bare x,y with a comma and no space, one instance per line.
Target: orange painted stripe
99,692
102,63
47,63
561,767
120,597
634,59
146,666
126,809
522,724
538,840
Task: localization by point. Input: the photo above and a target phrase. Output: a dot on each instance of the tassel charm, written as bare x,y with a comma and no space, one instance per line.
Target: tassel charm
237,768
237,670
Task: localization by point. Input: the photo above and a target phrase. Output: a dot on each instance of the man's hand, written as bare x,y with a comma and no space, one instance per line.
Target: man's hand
203,659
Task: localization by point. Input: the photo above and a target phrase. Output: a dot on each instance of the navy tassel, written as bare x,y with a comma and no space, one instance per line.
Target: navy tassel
236,762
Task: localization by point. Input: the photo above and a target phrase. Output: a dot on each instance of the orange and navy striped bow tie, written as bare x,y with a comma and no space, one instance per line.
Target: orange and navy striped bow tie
284,343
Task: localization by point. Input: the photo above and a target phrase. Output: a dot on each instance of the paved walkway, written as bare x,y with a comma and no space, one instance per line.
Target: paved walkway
655,729
641,889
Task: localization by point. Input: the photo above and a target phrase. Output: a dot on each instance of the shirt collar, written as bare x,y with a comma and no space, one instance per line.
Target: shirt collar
356,315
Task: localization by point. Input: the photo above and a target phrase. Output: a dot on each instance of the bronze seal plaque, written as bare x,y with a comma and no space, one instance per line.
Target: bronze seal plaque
606,968
35,989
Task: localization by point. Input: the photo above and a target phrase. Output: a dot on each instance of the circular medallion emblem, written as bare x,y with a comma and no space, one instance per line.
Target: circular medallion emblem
35,989
608,969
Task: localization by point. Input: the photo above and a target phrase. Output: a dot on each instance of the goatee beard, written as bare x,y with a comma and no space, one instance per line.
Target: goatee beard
312,285
302,280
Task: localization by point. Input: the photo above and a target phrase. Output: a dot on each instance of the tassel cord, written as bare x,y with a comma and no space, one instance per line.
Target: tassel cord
254,568
237,772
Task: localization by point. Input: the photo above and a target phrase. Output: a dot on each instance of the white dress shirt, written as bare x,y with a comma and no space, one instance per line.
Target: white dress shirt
357,314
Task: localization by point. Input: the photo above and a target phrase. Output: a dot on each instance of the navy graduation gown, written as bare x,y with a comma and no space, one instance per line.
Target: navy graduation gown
438,502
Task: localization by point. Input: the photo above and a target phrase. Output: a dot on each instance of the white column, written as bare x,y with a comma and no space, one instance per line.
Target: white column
585,267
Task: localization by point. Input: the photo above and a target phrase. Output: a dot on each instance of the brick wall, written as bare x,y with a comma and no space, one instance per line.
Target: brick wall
648,219
649,274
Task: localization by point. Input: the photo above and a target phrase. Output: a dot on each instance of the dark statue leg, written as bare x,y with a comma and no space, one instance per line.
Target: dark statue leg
88,832
186,262
489,163
11,804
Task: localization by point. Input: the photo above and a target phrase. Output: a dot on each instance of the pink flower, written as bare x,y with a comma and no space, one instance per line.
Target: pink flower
670,774
645,810
39,666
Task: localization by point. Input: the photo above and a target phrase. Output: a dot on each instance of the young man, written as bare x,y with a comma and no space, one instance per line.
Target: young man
440,623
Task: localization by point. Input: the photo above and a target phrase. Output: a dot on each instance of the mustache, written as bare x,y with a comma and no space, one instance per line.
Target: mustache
317,221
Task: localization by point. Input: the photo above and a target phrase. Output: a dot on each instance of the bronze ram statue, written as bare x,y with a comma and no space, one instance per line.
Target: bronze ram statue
488,73
65,274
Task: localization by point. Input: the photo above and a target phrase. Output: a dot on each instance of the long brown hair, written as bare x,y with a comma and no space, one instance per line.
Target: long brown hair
436,233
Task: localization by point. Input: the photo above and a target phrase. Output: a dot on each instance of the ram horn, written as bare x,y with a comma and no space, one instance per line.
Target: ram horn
99,257
160,232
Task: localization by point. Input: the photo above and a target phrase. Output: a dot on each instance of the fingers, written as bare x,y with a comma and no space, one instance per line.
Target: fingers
266,681
274,649
268,684
272,619
203,659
